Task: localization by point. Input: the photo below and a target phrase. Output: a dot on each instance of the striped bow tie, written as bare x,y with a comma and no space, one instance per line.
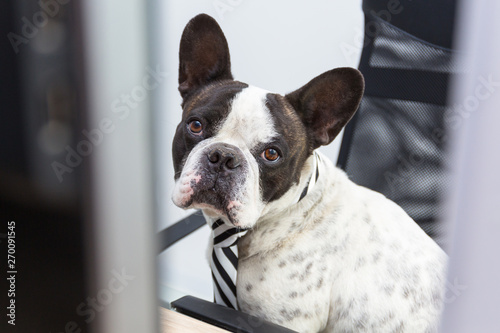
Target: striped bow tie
224,260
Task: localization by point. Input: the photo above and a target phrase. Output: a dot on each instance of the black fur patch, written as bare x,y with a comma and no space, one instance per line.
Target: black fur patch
210,106
277,178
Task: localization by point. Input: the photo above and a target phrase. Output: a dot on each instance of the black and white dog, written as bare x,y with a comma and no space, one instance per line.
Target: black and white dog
339,258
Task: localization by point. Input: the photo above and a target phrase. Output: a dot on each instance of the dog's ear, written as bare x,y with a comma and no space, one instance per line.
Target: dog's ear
327,103
203,54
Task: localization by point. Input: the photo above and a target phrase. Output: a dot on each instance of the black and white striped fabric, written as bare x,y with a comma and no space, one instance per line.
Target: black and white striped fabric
224,260
224,263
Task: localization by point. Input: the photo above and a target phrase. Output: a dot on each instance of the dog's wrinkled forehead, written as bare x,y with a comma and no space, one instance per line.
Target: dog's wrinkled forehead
236,112
249,119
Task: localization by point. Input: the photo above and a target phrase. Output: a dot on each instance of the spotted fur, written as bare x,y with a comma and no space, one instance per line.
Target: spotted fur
343,258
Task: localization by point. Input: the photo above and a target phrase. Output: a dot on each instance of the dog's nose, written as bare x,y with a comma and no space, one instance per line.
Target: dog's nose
224,157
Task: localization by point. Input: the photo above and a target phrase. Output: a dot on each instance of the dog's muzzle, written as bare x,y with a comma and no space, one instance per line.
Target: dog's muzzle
220,179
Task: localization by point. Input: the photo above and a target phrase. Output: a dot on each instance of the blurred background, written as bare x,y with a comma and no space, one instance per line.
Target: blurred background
89,105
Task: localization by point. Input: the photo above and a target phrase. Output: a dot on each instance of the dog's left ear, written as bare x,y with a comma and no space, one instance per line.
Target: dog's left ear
203,54
327,103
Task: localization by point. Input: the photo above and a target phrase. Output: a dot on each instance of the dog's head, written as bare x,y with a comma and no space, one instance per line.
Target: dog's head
239,149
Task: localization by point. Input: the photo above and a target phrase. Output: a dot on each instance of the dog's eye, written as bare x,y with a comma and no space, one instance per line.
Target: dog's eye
270,154
195,127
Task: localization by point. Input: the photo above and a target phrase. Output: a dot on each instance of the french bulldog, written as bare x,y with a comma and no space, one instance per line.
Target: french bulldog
321,253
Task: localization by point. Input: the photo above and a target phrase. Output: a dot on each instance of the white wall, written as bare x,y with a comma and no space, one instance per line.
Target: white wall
278,46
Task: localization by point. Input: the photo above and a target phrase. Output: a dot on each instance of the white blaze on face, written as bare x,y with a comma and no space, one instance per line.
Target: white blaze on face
249,120
248,124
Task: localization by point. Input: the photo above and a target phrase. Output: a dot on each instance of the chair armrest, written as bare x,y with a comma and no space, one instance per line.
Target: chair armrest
170,235
224,317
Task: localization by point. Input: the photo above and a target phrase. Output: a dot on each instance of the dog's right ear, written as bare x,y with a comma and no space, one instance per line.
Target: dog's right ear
203,54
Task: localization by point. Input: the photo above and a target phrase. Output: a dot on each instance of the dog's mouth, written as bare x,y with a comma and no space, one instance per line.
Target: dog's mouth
226,214
218,203
216,195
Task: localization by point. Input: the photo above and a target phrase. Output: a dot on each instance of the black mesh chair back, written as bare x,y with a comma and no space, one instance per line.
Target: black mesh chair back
395,143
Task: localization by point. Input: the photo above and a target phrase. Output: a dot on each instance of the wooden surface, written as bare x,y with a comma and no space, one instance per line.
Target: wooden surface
174,322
